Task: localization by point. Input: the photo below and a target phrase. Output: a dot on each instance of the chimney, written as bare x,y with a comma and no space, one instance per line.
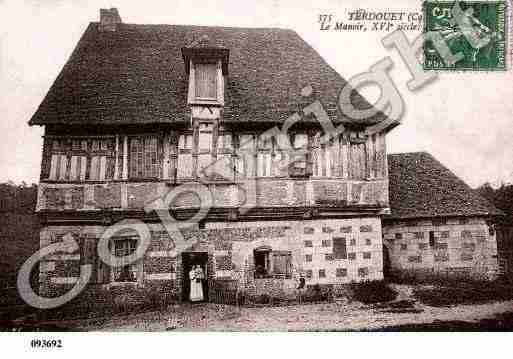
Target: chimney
109,19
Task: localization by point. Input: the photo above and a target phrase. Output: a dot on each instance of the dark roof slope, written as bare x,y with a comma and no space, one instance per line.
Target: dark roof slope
136,75
420,186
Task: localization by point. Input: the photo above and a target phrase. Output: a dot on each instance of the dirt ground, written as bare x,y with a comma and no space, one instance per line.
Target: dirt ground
401,314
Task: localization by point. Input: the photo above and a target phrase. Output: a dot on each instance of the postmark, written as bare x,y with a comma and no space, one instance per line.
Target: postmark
474,29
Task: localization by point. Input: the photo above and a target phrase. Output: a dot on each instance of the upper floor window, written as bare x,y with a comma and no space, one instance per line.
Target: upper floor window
144,155
298,163
101,159
206,81
81,159
205,141
224,164
184,167
245,160
264,157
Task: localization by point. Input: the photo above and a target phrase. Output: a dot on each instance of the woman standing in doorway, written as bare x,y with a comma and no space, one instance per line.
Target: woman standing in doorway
196,277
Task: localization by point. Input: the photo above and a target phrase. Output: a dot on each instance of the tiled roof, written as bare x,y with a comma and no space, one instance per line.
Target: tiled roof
420,186
136,75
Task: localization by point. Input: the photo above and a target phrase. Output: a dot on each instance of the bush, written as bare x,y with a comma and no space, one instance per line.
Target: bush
370,292
318,293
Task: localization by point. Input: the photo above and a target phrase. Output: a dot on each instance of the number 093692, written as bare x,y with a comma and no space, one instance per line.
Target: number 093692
46,343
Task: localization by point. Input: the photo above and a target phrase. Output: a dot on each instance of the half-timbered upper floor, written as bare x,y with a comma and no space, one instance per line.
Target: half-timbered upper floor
108,163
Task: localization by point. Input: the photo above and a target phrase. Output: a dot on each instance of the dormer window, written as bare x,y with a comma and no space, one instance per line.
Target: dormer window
205,81
206,63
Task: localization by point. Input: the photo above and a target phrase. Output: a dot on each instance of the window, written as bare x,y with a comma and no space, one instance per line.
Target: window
308,244
322,273
368,241
326,243
82,159
309,274
298,161
184,168
245,163
59,161
264,157
351,256
346,229
352,242
101,160
366,228
224,164
322,157
205,139
282,264
309,230
122,248
327,229
144,155
358,160
206,81
404,246
431,239
398,236
339,248
363,272
308,258
78,164
366,255
269,264
341,272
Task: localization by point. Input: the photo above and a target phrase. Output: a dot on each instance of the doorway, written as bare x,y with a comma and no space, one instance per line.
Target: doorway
190,259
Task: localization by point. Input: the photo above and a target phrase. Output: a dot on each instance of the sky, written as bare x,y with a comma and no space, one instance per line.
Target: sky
463,119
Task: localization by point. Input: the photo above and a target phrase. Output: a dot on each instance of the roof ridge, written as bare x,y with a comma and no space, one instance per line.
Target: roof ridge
204,26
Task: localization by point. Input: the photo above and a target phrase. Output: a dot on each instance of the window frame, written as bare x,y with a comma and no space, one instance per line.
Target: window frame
144,157
270,268
72,160
135,267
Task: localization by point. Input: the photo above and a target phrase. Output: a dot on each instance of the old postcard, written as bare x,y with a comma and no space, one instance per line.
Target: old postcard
283,166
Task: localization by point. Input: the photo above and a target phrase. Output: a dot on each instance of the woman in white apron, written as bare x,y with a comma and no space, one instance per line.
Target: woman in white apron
196,276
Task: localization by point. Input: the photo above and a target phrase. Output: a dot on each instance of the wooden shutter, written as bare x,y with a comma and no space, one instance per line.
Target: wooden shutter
88,255
282,263
206,81
103,271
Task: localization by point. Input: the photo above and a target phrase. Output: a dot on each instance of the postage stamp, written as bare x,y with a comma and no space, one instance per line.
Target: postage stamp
476,30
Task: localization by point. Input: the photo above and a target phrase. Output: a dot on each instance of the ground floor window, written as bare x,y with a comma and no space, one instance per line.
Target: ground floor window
272,264
122,248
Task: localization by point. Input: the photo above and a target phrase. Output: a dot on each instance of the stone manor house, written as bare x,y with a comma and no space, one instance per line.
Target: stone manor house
140,110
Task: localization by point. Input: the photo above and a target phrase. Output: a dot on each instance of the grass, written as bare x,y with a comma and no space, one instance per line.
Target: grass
456,293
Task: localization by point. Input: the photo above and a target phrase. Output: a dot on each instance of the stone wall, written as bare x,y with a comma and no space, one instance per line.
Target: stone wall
230,248
448,247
